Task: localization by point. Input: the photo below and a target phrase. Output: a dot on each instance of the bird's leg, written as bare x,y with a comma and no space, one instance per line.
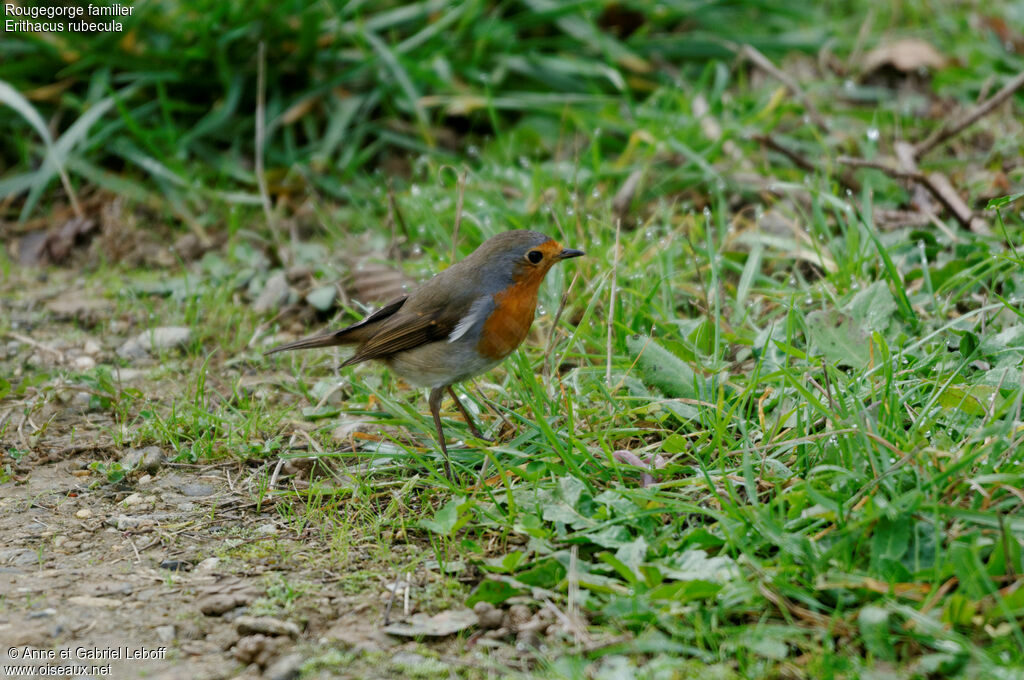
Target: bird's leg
465,414
436,395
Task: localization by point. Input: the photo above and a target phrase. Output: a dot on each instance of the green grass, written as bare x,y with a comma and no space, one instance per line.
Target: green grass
837,405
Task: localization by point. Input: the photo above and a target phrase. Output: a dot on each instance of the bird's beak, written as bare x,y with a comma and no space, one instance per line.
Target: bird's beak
570,252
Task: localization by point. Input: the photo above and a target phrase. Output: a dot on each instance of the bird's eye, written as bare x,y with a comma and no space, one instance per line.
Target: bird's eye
535,256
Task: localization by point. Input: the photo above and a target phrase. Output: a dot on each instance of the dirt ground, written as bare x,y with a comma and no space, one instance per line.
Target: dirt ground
121,581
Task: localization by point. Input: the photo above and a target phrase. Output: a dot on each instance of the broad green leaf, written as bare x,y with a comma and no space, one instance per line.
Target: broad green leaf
1008,342
889,541
633,554
873,307
974,400
611,536
1003,201
685,591
695,565
662,369
619,566
320,412
547,573
839,338
968,343
560,511
614,498
675,443
494,592
505,564
450,518
571,489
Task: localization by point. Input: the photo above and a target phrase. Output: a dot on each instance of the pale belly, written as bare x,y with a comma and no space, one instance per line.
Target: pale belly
439,364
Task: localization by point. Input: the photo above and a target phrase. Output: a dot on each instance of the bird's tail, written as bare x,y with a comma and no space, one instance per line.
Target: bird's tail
342,337
350,335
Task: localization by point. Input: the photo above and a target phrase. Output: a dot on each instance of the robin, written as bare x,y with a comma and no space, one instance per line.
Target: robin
462,322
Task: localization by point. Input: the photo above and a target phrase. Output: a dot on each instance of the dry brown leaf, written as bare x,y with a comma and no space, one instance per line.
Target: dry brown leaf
54,246
908,55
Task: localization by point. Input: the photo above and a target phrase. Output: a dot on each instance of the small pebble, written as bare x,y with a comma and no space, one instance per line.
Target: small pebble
488,616
84,363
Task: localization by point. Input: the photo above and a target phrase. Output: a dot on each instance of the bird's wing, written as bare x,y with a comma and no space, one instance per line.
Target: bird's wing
404,332
357,332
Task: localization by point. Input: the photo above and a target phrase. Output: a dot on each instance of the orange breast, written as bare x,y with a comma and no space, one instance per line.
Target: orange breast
510,321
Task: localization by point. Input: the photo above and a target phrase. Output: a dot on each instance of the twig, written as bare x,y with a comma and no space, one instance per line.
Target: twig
943,189
936,183
821,389
804,163
797,159
764,63
38,345
937,594
261,131
950,130
887,168
138,557
611,304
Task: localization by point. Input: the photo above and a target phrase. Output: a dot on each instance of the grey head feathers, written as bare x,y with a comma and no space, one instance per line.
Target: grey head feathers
493,265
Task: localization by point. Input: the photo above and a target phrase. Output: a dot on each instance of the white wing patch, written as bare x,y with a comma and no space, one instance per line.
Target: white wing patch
478,311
